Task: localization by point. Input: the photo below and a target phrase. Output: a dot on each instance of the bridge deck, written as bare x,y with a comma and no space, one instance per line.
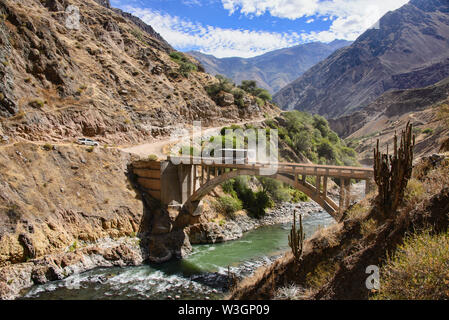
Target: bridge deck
288,168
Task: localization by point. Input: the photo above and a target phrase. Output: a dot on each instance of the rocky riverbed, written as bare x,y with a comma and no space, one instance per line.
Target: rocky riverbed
103,253
127,251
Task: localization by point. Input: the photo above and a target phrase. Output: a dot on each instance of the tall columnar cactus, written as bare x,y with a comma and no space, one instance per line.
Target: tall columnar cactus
296,238
392,172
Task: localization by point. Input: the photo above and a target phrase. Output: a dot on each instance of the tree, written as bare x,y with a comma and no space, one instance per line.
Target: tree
249,86
321,124
326,150
264,95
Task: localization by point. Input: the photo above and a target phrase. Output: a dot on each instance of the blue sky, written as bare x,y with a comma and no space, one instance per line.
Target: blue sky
246,28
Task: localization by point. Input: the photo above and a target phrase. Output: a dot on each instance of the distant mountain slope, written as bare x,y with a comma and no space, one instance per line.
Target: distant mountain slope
389,105
410,50
272,70
390,113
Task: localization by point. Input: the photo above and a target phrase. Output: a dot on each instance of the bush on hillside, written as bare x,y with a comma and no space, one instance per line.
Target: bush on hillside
312,137
419,270
255,203
250,86
223,84
275,189
185,66
228,205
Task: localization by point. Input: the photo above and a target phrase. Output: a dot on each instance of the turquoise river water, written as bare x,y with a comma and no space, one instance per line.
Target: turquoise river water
202,275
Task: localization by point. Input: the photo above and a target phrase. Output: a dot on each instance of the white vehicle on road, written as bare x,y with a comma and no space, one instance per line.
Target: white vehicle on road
88,142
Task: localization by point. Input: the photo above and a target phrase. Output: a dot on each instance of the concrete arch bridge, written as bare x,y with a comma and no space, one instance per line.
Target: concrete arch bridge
183,182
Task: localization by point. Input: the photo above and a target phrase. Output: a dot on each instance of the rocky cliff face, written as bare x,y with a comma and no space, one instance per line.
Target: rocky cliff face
51,197
111,79
410,50
272,70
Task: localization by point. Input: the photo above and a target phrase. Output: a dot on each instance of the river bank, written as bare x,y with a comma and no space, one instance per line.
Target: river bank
201,275
232,229
128,251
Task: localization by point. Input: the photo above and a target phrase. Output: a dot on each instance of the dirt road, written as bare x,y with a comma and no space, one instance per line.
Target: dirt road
161,147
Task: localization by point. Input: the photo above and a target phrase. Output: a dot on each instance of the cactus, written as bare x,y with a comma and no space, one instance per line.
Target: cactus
296,238
392,172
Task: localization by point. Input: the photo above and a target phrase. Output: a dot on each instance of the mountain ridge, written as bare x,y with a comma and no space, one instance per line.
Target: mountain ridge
271,70
406,52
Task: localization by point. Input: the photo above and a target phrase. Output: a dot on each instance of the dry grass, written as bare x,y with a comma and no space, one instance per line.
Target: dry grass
368,227
427,181
358,211
328,236
291,292
414,192
321,275
419,270
443,113
262,274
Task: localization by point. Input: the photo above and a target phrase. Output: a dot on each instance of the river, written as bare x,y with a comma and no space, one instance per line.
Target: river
202,275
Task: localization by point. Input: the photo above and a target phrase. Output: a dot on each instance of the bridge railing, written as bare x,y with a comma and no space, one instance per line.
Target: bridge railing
281,167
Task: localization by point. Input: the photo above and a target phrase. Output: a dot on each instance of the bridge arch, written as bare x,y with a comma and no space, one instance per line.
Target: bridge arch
311,191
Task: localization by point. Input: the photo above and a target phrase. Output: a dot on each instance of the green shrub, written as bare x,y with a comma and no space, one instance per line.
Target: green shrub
264,95
224,84
312,137
326,150
428,131
260,102
73,247
321,124
228,186
417,131
250,86
261,203
228,205
38,104
47,147
419,269
275,189
185,66
414,192
298,196
153,157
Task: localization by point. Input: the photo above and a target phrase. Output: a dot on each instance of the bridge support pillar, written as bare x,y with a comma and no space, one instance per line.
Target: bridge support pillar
318,185
194,208
325,187
342,195
178,183
347,193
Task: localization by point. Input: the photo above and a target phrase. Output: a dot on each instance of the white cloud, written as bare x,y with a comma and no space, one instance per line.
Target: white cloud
350,18
220,42
191,2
